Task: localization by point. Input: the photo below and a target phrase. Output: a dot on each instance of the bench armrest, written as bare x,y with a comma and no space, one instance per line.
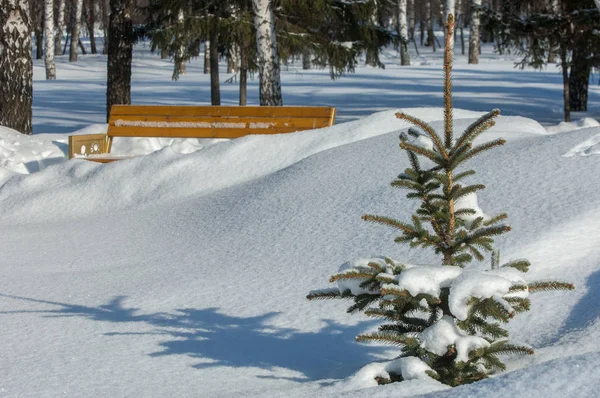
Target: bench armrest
89,144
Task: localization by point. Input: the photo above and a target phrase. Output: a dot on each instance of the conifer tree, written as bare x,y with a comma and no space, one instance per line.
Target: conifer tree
447,320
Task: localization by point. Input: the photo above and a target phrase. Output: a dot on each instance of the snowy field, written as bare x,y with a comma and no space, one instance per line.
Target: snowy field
185,272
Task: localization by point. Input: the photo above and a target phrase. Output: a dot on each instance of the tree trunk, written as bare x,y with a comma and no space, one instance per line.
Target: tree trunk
579,80
268,59
75,28
49,46
60,27
39,41
243,76
403,33
474,43
215,88
429,23
179,64
565,75
120,52
206,57
411,20
164,53
91,22
105,4
306,59
16,66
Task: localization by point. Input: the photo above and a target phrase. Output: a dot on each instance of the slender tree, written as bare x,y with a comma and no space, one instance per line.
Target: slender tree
474,43
60,27
268,58
76,12
16,67
49,43
403,32
120,53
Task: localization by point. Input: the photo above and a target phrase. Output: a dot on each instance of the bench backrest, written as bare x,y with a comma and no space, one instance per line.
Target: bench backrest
214,121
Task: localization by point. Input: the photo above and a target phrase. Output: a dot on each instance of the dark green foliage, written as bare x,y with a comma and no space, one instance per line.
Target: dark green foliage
467,309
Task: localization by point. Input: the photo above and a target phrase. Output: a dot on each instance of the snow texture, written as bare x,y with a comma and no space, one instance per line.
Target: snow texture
426,279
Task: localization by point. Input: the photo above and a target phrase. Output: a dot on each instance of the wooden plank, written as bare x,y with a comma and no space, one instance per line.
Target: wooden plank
259,111
116,131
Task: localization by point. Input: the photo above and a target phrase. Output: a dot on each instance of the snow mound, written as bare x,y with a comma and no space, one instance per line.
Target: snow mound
589,147
24,154
563,127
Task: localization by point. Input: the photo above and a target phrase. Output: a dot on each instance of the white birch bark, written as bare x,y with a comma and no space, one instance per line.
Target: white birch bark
403,32
597,3
16,67
49,45
78,10
449,8
474,39
206,56
60,27
268,59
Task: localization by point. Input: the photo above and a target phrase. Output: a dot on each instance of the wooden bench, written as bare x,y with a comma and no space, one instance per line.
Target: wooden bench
196,122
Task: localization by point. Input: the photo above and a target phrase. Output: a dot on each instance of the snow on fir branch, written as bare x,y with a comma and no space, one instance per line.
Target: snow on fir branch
448,321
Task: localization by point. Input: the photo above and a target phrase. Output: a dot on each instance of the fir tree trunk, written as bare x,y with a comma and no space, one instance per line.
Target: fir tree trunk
215,89
60,27
49,44
243,76
579,79
474,44
268,59
403,32
206,57
120,52
16,66
75,28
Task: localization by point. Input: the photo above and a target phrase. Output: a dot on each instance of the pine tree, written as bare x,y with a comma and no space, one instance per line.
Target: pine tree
447,320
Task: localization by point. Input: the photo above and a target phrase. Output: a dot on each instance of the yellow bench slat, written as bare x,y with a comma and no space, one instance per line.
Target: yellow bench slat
257,111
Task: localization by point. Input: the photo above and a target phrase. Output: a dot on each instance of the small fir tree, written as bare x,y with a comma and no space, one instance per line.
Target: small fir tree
447,320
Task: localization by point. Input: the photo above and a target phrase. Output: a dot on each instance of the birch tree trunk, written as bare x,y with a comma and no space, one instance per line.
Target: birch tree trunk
90,19
411,20
206,57
49,46
120,52
474,39
268,59
60,27
105,5
16,66
403,32
75,29
179,67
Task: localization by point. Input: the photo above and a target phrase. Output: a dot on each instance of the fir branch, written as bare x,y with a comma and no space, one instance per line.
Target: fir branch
361,302
519,264
350,275
427,129
471,132
422,151
481,148
535,287
324,294
504,347
390,222
496,219
386,337
460,176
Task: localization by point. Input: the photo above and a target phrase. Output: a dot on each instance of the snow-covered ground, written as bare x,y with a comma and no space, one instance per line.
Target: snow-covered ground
185,272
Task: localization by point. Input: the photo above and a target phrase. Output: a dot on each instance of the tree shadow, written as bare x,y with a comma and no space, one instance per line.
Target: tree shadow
216,339
586,311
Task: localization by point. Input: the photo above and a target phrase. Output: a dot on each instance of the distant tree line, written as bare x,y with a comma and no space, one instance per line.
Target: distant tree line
261,35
